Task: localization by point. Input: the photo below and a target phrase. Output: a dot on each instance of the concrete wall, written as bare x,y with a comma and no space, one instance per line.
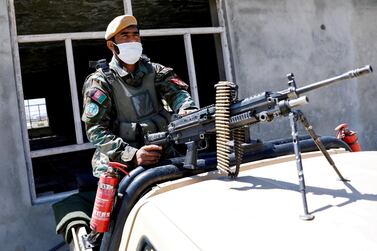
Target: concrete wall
314,39
22,226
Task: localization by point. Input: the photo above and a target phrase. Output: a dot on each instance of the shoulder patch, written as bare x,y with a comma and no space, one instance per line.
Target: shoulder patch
98,96
178,82
91,110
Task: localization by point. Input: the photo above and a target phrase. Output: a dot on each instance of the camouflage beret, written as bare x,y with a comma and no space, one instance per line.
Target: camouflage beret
118,24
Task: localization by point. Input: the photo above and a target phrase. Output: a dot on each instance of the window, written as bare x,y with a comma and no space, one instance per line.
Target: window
56,39
36,113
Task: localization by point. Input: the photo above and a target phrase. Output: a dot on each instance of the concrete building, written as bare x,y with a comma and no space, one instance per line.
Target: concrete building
253,43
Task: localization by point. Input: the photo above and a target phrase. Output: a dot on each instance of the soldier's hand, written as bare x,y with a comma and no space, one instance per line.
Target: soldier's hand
148,155
186,112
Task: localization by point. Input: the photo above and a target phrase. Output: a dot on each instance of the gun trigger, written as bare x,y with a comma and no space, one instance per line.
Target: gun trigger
203,144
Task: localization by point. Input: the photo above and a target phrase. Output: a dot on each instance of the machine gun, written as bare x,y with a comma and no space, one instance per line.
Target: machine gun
229,117
231,114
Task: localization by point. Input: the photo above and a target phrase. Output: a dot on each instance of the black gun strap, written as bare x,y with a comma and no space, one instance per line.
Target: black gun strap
105,68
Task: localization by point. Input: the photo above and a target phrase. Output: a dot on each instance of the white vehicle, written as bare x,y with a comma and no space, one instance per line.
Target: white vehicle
167,208
260,209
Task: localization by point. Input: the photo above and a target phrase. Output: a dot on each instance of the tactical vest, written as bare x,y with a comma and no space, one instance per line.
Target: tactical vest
139,108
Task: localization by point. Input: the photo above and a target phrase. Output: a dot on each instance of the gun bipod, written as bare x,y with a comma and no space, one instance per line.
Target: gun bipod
295,116
301,117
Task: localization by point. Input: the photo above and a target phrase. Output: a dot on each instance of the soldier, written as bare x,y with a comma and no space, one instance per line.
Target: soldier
126,100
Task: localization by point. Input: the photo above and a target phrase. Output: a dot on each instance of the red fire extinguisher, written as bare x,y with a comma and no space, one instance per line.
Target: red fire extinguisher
348,136
105,197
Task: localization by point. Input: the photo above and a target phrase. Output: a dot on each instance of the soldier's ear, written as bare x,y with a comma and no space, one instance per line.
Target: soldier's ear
111,46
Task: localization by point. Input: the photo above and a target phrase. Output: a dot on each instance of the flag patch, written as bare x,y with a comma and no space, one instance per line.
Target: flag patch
178,82
98,96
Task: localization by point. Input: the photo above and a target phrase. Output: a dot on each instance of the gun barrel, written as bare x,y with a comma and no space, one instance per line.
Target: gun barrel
348,75
297,102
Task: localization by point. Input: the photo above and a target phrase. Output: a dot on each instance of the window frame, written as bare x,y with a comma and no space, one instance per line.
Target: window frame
68,38
28,108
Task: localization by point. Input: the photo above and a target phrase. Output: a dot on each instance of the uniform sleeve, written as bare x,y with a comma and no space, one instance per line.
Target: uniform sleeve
172,89
97,116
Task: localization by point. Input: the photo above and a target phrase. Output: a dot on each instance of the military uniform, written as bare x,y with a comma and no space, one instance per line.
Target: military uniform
120,109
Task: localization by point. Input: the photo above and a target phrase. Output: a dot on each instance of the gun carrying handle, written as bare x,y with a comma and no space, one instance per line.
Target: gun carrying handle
191,155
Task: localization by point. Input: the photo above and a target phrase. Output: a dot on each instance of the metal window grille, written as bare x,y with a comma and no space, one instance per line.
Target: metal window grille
36,113
67,38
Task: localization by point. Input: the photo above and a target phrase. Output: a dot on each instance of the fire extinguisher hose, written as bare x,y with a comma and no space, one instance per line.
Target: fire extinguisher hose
119,167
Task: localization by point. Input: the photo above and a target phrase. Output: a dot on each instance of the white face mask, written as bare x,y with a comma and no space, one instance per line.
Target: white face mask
130,52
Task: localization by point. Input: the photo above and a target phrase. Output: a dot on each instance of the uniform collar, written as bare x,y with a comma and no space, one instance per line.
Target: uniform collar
143,65
116,66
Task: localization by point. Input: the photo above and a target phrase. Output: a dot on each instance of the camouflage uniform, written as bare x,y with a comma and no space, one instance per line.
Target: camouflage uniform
101,113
